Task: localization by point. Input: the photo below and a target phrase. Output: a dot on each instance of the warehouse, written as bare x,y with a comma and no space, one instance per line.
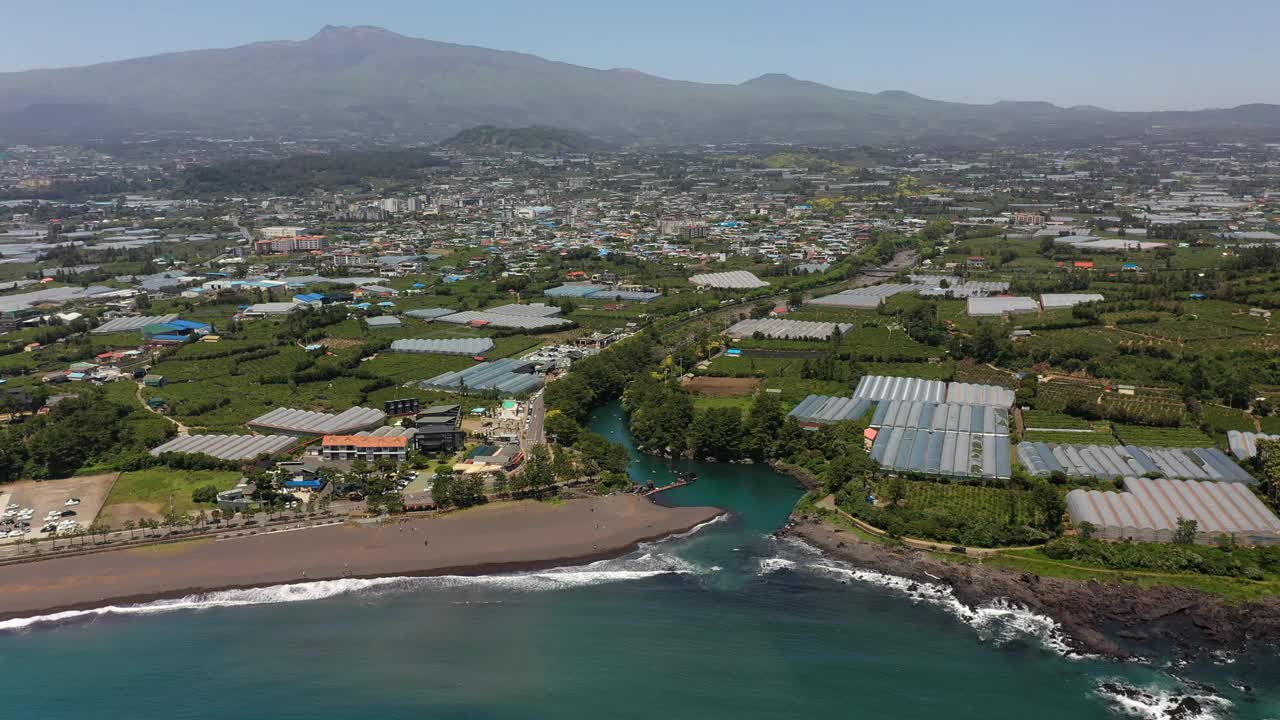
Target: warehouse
132,324
733,280
883,387
956,455
966,289
507,375
429,314
530,310
999,306
948,417
1244,445
600,292
270,308
867,298
1149,511
786,329
382,322
502,320
1059,301
1090,243
1110,461
289,421
817,410
227,447
467,347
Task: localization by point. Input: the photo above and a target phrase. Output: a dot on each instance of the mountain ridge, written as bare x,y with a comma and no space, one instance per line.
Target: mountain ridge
352,82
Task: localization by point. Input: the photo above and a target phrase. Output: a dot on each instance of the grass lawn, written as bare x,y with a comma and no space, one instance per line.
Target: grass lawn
158,485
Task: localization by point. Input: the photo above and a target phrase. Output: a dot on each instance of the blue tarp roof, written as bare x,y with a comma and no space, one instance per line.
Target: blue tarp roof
187,324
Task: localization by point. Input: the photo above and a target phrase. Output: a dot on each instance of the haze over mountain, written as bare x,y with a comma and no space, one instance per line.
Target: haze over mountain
364,82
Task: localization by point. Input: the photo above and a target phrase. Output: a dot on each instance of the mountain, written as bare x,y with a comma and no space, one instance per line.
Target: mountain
526,139
353,83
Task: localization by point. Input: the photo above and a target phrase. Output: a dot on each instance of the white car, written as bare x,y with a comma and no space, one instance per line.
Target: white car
72,501
16,533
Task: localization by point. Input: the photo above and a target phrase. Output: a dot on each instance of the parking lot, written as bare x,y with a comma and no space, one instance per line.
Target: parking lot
37,500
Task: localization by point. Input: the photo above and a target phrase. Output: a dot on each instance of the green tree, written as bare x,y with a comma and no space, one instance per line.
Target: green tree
205,494
1185,532
895,491
537,473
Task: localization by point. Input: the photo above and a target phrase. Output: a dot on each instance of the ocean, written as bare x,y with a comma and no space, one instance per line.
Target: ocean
722,622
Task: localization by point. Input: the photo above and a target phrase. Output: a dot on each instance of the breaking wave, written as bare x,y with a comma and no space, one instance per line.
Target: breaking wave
647,562
998,621
1161,704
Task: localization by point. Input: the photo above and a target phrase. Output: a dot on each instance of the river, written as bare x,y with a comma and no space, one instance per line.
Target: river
723,623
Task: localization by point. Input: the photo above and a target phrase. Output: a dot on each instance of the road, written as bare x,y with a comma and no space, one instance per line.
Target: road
534,431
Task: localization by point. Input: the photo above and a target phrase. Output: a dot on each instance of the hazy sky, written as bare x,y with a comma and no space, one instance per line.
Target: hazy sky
1121,54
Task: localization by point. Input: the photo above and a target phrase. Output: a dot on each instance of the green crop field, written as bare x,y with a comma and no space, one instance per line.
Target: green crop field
1054,396
1045,420
1222,419
1179,437
1070,438
967,500
413,367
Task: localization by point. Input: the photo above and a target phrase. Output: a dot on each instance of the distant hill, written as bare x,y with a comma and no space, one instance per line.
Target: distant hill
302,173
357,83
525,139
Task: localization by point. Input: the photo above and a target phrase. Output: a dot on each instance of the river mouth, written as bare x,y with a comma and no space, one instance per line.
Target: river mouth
727,621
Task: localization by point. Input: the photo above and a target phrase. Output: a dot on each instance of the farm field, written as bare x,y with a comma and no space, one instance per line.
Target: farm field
1087,437
967,500
1045,420
1221,419
722,387
1143,436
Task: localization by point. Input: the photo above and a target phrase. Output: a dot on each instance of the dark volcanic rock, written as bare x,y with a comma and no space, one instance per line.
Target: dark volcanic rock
1111,619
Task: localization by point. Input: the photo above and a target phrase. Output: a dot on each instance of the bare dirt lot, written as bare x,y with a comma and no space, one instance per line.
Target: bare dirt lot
47,495
341,343
722,387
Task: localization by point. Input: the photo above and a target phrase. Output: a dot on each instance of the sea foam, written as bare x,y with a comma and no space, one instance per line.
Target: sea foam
1162,704
997,621
646,562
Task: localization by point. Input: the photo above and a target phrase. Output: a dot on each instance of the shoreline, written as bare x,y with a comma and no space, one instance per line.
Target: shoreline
488,540
1120,620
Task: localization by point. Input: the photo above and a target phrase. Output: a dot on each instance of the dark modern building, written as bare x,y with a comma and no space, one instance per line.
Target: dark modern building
404,406
440,429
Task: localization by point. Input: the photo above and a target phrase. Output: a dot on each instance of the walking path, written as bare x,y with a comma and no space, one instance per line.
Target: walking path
182,429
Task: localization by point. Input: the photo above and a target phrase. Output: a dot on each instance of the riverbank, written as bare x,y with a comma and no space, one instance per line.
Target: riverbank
1115,619
489,539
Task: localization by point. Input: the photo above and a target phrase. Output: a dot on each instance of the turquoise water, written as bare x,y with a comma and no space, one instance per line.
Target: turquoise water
724,623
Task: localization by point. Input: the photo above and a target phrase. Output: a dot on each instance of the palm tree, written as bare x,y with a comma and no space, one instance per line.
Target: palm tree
130,526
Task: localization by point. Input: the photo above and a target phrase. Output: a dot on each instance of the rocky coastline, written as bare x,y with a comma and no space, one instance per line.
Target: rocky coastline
1116,620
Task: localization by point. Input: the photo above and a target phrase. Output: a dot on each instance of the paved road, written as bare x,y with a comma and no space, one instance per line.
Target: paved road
535,432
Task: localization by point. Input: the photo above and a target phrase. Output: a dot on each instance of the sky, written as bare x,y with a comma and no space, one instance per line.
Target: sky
1121,54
